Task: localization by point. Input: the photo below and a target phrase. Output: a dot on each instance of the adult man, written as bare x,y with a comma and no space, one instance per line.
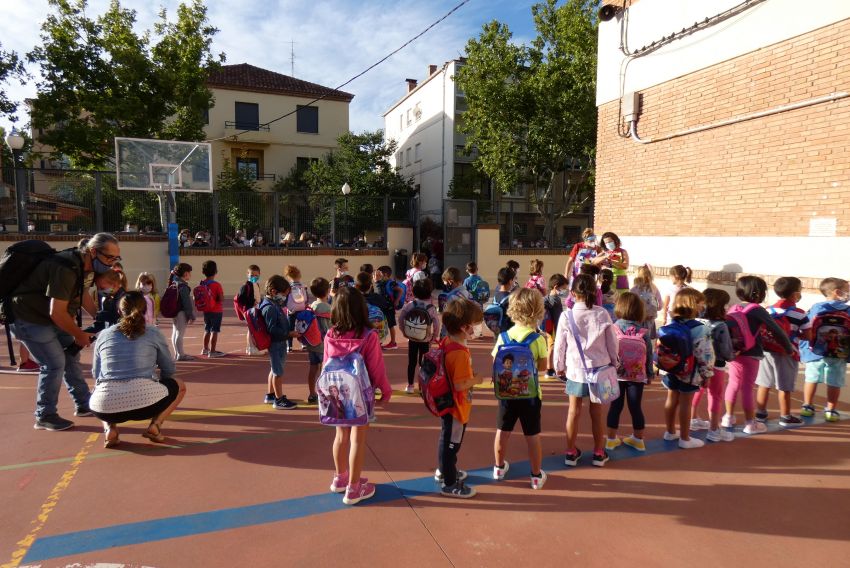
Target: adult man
44,306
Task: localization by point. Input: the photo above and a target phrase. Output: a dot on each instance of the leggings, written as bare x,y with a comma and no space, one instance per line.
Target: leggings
178,331
415,351
714,386
632,393
742,377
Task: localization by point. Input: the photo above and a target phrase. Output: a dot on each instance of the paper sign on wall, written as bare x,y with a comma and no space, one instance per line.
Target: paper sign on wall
822,226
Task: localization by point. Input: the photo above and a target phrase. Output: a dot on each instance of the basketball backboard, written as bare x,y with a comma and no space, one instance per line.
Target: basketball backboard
163,165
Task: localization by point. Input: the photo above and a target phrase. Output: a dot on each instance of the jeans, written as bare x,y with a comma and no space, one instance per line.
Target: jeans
632,393
46,344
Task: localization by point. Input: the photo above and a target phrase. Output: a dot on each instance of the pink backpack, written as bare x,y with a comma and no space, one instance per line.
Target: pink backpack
743,339
408,283
632,354
536,283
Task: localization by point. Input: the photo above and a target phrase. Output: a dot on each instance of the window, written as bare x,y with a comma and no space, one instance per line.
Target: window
401,121
249,165
417,111
409,121
408,157
308,119
206,115
247,116
417,152
303,164
399,158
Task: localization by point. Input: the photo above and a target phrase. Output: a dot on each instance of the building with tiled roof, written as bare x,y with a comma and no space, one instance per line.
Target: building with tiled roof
247,77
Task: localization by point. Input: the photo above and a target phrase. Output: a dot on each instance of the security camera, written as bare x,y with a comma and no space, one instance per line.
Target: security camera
607,12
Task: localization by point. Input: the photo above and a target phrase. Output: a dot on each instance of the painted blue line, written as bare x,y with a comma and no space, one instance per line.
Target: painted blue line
79,542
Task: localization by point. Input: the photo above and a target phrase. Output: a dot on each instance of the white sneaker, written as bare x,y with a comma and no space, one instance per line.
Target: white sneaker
728,420
690,444
538,482
251,351
500,472
700,424
720,436
670,437
409,389
755,427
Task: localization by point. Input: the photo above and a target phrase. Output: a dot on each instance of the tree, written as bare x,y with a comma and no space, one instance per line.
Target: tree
102,80
10,68
531,108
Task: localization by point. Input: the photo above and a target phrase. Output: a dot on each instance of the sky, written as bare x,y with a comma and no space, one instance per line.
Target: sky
334,40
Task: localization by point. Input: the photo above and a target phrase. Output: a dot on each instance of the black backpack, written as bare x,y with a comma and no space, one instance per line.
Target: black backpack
245,297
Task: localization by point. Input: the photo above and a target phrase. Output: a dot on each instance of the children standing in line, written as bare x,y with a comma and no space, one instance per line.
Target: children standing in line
744,368
298,298
590,326
421,326
214,311
351,331
182,273
341,277
320,288
248,297
553,307
634,372
535,276
714,318
146,284
778,370
526,310
680,277
648,292
271,307
827,347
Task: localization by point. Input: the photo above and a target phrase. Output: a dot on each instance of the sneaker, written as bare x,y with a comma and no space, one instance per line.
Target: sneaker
52,422
29,367
500,472
537,482
755,427
831,415
612,443
216,354
635,443
700,424
720,435
690,444
390,346
339,483
358,492
600,460
312,399
458,490
728,420
185,358
789,420
550,374
572,458
409,389
670,437
284,403
761,415
269,399
461,475
807,410
205,352
83,411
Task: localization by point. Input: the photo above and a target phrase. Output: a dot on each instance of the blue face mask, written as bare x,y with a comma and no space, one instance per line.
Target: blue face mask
99,267
253,279
610,246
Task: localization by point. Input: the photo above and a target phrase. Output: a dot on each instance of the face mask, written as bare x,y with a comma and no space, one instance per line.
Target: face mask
563,293
253,279
183,238
99,267
280,299
108,291
343,272
610,246
590,243
146,289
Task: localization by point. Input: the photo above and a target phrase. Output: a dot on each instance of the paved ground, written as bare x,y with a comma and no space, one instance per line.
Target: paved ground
240,484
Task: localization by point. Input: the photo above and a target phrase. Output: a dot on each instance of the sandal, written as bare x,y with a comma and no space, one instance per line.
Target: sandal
154,437
108,440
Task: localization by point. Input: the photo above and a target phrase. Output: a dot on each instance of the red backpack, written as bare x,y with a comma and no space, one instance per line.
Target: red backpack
203,296
257,327
435,386
768,339
743,339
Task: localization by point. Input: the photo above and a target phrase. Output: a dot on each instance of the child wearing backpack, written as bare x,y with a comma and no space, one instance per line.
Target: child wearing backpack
606,286
634,371
686,359
746,320
521,342
553,307
535,277
420,325
393,293
459,318
298,298
213,310
585,343
827,347
379,301
478,288
496,311
146,284
778,370
248,297
181,275
714,318
418,264
320,288
341,277
513,265
277,326
648,292
453,286
680,277
350,332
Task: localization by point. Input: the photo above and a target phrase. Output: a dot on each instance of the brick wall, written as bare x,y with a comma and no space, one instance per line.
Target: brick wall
762,177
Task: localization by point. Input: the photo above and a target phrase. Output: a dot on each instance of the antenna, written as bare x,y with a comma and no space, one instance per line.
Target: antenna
292,58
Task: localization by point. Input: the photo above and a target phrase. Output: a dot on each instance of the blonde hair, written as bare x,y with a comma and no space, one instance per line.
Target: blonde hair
146,278
132,322
535,267
526,307
686,304
417,259
586,233
291,272
644,277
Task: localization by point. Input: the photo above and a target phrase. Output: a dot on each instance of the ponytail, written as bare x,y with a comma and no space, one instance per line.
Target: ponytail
132,308
584,289
682,274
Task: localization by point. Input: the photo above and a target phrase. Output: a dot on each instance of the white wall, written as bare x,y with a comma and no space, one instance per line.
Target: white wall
649,20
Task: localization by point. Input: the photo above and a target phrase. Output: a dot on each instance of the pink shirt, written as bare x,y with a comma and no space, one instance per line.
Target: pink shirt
598,340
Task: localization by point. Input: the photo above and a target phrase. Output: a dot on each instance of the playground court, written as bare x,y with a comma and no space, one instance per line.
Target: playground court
241,484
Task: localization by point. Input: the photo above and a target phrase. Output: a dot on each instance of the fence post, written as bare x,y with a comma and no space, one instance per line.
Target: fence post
511,226
276,222
215,219
333,222
386,218
98,201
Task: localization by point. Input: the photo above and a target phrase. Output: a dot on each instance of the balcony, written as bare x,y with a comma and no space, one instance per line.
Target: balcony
248,131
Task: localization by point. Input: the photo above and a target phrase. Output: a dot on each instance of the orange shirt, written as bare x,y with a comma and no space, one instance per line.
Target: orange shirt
459,369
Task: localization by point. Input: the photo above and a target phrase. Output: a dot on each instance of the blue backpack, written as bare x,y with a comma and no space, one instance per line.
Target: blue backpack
378,321
445,297
346,396
495,317
395,292
675,353
478,288
515,369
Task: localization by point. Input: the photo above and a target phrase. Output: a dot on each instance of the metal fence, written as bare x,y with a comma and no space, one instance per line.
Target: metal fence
526,225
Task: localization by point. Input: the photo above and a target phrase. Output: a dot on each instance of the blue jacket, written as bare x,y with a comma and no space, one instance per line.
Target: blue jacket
276,323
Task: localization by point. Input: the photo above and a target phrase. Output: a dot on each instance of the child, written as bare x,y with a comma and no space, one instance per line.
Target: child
364,285
714,318
416,349
320,288
109,293
341,278
535,277
778,370
418,264
599,346
214,312
593,271
453,284
606,286
526,310
648,292
247,298
351,331
680,277
298,298
828,368
478,290
459,318
632,374
368,269
687,305
182,273
744,368
119,268
146,284
271,307
507,283
385,286
513,265
553,307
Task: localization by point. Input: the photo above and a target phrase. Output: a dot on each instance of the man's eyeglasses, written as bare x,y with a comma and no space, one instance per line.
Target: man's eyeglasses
110,259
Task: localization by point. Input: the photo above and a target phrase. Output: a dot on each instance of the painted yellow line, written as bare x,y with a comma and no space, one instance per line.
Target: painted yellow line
52,500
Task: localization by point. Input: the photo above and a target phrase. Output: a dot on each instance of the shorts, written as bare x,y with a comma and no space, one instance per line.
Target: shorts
146,413
777,371
277,357
575,388
390,315
315,357
527,411
212,322
674,384
828,370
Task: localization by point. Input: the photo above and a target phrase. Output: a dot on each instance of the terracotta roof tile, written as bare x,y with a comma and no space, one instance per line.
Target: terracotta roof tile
245,77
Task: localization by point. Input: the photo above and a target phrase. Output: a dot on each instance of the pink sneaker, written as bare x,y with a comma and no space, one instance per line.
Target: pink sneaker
340,482
358,492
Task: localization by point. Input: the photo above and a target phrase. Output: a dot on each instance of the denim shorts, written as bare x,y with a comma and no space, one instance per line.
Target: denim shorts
674,384
277,357
212,322
575,388
315,357
828,370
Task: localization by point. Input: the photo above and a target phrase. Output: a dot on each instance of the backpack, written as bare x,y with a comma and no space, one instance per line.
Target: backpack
768,339
743,338
478,288
169,305
378,321
307,326
553,307
445,297
831,334
297,299
515,369
257,326
397,300
416,325
495,315
534,283
435,387
650,302
675,353
203,296
346,396
408,283
632,354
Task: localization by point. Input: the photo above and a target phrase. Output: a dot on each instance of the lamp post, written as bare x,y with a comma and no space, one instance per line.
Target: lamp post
346,189
16,144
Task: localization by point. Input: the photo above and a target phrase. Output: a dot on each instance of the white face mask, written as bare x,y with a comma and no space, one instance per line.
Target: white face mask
610,245
146,288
